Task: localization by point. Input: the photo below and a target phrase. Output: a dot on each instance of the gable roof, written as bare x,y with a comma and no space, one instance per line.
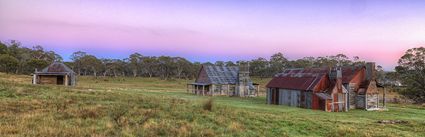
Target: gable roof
298,79
56,67
348,73
221,74
368,87
306,79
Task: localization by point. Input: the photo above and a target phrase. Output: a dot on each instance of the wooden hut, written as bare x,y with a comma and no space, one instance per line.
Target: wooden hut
56,73
330,89
224,80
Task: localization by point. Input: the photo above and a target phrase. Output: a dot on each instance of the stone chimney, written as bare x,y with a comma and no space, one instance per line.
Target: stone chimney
370,71
243,79
339,79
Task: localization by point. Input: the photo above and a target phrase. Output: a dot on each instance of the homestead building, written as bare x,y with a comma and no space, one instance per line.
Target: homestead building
56,73
224,80
330,89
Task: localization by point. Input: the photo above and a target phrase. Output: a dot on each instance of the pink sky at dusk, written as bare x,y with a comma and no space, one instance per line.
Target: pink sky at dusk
375,30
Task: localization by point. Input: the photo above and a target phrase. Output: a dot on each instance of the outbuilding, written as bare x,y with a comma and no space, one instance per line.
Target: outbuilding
56,73
224,80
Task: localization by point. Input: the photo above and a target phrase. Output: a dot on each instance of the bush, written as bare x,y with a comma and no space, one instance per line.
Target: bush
208,104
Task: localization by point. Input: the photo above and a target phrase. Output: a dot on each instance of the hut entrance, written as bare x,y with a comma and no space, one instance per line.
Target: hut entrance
322,104
59,80
275,96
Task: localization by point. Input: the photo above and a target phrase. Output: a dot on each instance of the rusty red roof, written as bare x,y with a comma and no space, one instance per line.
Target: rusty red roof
298,79
349,72
306,79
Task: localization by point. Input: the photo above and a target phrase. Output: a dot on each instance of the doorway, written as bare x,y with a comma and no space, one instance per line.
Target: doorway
275,96
59,80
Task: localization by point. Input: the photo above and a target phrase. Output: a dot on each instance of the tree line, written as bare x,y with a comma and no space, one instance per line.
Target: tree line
15,58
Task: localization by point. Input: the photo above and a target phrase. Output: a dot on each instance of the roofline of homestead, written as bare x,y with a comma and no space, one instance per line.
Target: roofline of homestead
52,73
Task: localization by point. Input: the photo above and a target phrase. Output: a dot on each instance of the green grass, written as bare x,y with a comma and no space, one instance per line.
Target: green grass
153,107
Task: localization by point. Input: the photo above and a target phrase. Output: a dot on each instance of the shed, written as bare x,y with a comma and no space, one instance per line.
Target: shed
294,87
224,80
56,73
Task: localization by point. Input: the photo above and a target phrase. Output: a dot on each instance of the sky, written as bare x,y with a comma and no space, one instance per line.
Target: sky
375,30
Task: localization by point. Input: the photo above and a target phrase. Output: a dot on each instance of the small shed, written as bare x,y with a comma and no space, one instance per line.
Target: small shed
56,73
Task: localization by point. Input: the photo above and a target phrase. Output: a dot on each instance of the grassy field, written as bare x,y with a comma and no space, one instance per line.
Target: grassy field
152,107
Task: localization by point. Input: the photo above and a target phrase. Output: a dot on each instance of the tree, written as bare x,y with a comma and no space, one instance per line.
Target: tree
380,74
357,62
90,63
36,64
278,63
135,63
340,58
75,57
8,63
258,67
306,62
219,63
150,65
182,67
22,54
411,67
196,66
165,67
3,48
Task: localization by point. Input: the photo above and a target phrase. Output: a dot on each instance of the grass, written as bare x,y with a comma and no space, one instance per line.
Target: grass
153,107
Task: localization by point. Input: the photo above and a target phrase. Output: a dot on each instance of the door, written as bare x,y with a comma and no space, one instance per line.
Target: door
59,80
275,96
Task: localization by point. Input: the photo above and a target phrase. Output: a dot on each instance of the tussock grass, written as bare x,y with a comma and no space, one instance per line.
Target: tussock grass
153,107
208,104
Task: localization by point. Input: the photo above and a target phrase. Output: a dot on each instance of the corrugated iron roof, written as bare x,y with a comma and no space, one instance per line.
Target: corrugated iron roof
306,79
222,74
56,67
298,79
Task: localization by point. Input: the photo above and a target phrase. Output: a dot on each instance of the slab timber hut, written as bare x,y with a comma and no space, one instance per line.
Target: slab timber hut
56,73
334,89
224,80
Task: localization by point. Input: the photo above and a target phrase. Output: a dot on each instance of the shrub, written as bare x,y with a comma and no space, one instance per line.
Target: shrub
208,104
89,113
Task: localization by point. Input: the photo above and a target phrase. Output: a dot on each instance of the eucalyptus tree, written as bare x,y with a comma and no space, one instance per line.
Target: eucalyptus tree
8,63
277,63
259,67
183,67
150,66
76,58
135,62
411,67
